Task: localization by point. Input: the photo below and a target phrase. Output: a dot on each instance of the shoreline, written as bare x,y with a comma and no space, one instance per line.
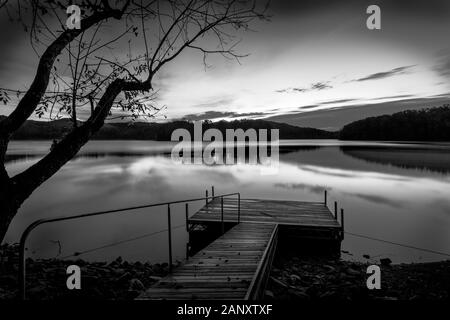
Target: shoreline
293,277
46,278
323,278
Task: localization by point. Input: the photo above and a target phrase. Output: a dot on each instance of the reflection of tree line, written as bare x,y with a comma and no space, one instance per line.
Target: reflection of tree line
25,157
420,159
250,153
13,158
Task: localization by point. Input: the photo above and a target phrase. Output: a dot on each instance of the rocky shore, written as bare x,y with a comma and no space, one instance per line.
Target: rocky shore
293,278
46,279
306,278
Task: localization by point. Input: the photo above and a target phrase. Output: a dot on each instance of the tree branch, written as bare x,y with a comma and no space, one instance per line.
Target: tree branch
31,99
69,146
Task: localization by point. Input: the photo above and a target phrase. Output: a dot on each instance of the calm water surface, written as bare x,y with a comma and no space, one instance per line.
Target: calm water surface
396,192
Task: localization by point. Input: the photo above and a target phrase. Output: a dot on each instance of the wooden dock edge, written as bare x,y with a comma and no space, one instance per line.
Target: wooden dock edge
258,284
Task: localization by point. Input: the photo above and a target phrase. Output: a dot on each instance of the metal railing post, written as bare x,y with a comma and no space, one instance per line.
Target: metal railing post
22,274
187,251
221,205
187,229
187,216
22,266
169,228
342,223
206,198
22,254
325,198
212,192
335,210
239,207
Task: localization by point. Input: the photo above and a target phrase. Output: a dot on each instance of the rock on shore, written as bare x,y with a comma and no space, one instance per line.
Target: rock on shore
293,277
46,279
306,278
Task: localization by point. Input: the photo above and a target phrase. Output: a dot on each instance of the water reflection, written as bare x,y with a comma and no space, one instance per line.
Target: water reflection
388,202
425,159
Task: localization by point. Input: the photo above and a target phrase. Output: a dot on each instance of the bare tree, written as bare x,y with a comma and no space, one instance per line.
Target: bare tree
108,65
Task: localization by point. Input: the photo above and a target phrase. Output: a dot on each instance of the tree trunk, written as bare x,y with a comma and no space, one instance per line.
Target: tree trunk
8,207
14,191
5,219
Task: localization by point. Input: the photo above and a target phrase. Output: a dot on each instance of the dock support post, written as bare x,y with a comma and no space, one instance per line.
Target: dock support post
187,251
239,207
206,197
325,198
187,216
169,228
342,223
335,210
221,205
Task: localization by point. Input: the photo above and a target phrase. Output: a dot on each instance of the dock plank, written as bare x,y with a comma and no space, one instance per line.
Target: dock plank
223,270
236,265
262,211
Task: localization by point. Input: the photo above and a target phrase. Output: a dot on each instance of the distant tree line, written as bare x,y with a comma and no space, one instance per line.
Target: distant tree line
39,130
430,124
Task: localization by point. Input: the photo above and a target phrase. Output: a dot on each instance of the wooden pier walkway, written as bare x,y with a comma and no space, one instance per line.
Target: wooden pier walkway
229,268
237,264
312,214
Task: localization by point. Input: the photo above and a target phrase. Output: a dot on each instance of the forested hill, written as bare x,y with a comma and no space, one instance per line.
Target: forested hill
39,130
431,124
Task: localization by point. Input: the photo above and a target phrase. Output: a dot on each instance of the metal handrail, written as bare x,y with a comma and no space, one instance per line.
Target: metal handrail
253,289
222,219
35,224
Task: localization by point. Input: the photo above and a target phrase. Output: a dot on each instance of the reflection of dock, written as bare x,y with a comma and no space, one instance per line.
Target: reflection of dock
243,236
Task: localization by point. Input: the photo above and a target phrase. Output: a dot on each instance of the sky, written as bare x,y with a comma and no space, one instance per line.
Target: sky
314,64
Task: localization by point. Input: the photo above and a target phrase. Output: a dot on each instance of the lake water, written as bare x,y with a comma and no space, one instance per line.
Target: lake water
396,192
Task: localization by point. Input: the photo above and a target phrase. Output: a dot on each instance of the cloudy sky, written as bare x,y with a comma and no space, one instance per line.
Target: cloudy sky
314,64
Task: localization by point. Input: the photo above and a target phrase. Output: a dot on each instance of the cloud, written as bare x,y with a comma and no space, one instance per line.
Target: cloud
208,115
320,86
335,118
287,90
386,74
338,101
443,66
400,96
212,115
317,86
308,107
420,7
252,114
215,103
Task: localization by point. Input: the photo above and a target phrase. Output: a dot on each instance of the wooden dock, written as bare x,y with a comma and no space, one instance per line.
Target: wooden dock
294,213
243,236
229,268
